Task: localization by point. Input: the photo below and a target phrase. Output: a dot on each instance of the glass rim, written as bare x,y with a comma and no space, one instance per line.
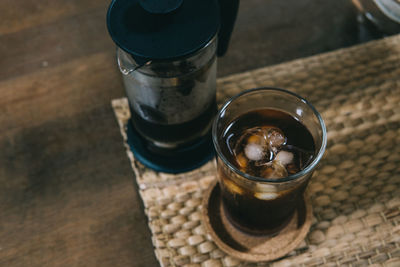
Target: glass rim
292,177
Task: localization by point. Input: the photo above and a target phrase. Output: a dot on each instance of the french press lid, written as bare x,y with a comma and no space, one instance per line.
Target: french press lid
162,30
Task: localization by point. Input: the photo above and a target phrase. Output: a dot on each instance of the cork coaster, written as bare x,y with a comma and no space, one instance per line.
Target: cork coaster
248,247
354,192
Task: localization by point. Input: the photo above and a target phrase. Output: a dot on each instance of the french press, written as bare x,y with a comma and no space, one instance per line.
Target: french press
166,52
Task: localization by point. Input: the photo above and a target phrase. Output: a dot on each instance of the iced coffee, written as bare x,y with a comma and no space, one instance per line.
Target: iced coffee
266,151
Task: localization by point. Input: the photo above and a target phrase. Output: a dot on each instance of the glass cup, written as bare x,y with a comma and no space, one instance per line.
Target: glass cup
263,204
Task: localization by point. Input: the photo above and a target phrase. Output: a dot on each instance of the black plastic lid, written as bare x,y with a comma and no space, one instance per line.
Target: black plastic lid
162,29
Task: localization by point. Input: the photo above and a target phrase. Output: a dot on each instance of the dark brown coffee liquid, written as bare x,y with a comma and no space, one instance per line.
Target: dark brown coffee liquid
245,209
175,133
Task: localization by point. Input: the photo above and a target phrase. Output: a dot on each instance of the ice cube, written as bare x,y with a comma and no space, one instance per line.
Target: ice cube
232,186
274,136
257,147
251,146
254,151
274,170
250,136
257,137
284,157
241,160
265,195
261,187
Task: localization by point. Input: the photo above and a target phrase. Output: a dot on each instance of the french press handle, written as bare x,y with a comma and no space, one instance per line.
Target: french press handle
228,12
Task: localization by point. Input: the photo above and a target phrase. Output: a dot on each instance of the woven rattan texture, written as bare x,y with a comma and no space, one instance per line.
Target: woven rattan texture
355,192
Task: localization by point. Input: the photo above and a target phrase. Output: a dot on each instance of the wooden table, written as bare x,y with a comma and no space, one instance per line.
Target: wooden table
67,193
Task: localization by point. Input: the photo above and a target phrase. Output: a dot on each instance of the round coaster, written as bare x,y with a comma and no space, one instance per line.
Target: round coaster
253,247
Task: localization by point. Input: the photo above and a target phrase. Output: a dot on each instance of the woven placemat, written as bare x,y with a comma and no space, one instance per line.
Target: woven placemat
355,192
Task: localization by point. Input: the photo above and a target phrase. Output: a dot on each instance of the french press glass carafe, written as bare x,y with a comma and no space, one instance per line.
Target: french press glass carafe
166,52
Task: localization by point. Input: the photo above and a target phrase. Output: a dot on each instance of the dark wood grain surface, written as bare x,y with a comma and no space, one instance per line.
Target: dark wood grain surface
67,192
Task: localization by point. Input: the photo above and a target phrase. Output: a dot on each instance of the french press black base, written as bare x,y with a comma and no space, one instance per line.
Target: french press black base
180,160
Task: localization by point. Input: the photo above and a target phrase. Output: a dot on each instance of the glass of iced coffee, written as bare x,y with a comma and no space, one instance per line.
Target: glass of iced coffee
268,143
